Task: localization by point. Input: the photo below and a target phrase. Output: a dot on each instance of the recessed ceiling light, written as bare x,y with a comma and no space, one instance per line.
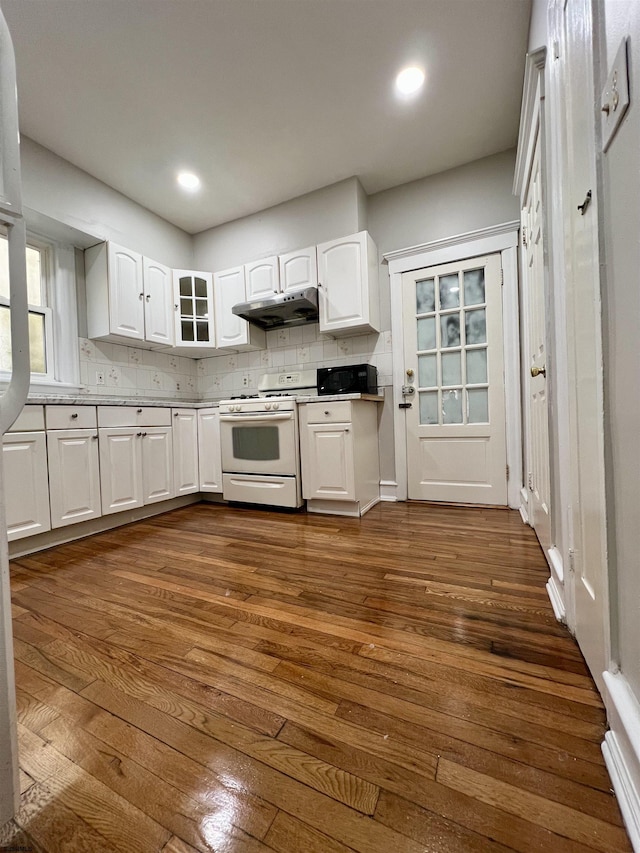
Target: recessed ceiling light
189,181
410,80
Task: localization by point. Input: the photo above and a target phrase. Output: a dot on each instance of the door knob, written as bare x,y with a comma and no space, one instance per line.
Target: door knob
539,371
410,373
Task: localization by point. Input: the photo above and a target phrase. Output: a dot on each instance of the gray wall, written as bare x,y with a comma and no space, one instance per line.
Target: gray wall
325,214
621,304
75,206
468,198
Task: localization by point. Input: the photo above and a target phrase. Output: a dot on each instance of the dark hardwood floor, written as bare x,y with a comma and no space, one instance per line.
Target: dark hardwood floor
234,680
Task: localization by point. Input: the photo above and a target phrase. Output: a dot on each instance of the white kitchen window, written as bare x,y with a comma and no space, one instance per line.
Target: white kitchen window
53,327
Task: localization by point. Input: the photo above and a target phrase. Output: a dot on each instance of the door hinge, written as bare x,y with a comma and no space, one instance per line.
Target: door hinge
501,277
572,560
524,237
507,472
530,481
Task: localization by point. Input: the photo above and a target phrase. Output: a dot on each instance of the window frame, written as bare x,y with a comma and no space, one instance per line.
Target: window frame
58,288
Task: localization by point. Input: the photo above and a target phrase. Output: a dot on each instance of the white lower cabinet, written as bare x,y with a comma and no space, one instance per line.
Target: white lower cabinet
120,468
329,462
74,475
157,465
24,460
186,477
209,450
339,456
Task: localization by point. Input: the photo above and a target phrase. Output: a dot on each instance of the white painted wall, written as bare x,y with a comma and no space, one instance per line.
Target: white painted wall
538,25
621,297
56,190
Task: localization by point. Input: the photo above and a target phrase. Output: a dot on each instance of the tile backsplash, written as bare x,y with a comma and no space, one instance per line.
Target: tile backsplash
295,348
134,372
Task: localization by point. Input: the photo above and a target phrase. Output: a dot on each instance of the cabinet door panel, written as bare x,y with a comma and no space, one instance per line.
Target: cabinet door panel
157,464
341,275
120,469
328,464
299,269
209,450
262,277
229,290
158,303
126,308
74,476
26,488
185,451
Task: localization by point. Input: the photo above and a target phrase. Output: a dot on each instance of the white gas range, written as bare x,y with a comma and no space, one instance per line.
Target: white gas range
260,441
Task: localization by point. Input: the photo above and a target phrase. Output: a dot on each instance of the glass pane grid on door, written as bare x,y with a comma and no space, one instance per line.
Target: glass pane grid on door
452,349
194,309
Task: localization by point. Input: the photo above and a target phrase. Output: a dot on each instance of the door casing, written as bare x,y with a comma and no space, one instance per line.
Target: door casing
501,238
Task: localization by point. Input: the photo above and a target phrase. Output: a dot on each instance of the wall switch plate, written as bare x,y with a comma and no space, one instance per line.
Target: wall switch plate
614,101
99,377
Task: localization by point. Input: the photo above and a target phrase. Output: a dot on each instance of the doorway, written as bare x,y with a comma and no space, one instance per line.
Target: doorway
454,382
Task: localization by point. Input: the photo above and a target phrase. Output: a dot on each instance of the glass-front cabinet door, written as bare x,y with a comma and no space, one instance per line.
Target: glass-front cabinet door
193,307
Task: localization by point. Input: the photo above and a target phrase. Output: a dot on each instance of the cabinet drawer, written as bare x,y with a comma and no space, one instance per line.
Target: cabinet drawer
128,416
31,418
336,412
71,417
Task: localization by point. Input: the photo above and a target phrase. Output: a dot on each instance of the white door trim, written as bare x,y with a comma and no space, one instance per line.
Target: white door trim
501,238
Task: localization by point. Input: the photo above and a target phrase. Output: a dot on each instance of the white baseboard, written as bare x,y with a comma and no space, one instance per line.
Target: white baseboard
556,562
556,599
621,750
388,490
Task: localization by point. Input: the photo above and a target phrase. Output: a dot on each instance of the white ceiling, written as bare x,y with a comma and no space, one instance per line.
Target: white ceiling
264,99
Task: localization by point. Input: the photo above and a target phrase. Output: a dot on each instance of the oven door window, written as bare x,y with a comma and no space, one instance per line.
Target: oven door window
256,443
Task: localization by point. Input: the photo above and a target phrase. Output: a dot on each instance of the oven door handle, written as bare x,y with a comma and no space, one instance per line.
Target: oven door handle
245,417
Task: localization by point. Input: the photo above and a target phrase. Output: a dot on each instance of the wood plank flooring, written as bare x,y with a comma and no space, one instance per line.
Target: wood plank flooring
237,680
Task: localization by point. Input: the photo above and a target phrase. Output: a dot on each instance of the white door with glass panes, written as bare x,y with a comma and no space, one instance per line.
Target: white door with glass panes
454,382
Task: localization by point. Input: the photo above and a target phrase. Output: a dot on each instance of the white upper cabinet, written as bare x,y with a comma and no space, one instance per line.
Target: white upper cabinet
158,303
194,312
232,332
115,292
262,278
348,291
298,269
128,297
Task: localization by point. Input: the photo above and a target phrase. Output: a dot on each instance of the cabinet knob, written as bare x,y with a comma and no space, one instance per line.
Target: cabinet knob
138,434
140,295
74,415
148,297
176,414
94,436
139,411
327,412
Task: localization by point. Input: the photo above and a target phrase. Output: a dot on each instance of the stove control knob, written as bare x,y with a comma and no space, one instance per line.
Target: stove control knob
268,406
276,405
236,408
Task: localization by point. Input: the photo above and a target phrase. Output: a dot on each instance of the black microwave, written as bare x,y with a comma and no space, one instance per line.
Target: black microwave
351,379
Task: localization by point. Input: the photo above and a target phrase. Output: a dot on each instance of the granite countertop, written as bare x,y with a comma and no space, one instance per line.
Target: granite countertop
328,398
89,400
95,400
